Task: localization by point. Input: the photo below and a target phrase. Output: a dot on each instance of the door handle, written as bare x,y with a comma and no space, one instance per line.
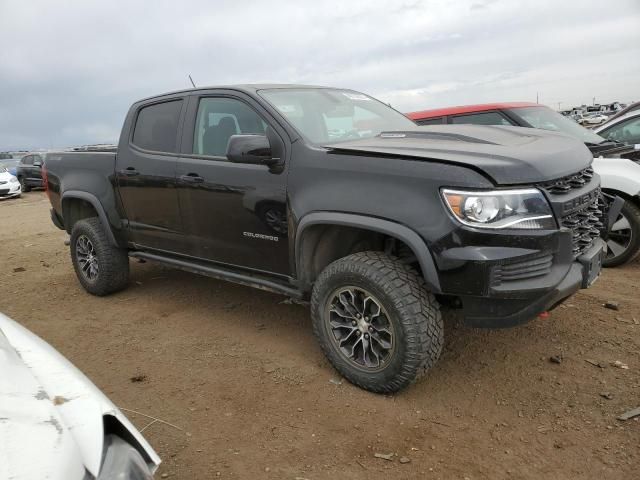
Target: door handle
130,172
192,178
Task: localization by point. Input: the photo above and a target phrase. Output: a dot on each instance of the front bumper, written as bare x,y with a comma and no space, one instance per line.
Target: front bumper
505,279
10,190
492,312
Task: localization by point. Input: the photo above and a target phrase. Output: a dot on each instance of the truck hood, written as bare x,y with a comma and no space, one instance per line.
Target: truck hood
51,415
509,155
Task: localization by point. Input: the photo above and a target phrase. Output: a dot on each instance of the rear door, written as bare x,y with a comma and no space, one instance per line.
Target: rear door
26,166
146,174
233,213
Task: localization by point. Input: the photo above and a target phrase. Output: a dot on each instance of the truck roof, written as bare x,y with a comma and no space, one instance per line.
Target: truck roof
246,87
439,112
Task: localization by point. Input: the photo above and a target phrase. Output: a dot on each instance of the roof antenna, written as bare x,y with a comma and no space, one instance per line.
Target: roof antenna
191,80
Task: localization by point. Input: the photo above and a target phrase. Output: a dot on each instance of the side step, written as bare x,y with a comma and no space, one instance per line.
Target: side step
220,273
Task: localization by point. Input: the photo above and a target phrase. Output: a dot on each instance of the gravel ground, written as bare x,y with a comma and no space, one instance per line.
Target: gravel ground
240,374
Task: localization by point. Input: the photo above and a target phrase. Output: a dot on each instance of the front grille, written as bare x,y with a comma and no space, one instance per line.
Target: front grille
585,225
566,184
532,267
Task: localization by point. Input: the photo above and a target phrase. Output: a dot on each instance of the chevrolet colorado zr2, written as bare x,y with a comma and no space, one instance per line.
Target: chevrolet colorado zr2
331,196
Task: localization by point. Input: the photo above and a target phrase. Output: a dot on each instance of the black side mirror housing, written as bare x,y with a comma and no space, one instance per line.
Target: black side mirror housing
252,149
37,163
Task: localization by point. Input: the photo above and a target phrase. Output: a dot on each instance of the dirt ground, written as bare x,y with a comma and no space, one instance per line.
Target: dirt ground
240,374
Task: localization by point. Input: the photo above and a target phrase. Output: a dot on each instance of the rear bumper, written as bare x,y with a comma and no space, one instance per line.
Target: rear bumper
57,221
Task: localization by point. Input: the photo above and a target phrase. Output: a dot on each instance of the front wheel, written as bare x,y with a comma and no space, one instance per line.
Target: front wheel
623,242
375,321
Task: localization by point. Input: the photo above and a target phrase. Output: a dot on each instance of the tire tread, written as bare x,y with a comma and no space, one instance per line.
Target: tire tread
113,261
419,314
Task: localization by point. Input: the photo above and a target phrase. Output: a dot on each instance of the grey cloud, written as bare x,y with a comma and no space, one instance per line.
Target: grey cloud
68,71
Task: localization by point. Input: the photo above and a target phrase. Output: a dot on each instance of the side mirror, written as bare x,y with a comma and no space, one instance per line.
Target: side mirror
37,163
252,149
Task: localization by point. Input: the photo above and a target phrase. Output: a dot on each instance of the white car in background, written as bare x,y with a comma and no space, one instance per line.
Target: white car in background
56,424
596,119
9,184
624,129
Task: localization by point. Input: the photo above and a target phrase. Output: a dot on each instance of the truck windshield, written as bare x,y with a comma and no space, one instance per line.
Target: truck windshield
324,116
546,119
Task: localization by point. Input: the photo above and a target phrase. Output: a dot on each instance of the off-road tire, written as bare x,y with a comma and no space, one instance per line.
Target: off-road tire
113,262
631,211
413,311
24,188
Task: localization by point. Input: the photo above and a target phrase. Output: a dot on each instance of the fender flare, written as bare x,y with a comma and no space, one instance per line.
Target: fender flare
395,230
93,200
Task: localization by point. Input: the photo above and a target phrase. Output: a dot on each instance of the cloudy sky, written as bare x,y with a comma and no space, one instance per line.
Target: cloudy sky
69,69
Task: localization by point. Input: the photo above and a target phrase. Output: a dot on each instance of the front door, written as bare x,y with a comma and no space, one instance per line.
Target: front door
232,213
146,171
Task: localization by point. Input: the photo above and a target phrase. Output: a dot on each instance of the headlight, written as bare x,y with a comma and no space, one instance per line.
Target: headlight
522,208
122,462
14,180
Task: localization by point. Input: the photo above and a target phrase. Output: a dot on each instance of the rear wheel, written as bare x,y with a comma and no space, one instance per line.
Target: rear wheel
101,267
23,185
375,321
623,242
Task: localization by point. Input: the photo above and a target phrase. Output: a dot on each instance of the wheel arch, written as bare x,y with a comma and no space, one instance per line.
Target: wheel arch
306,243
77,205
628,197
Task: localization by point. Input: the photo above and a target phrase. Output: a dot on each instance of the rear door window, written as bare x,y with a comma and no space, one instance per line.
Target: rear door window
481,118
156,127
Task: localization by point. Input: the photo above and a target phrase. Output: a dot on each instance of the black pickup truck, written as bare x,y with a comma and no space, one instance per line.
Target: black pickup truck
330,195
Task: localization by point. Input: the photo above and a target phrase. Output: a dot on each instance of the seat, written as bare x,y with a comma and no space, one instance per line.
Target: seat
208,140
216,137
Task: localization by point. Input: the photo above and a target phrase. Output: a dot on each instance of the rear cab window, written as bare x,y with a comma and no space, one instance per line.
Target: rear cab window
431,121
156,127
481,118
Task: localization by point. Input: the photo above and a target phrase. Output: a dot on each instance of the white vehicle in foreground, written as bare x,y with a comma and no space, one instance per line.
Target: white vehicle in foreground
56,424
9,184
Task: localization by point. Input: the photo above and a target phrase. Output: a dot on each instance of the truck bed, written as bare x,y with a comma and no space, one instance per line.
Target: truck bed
88,172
